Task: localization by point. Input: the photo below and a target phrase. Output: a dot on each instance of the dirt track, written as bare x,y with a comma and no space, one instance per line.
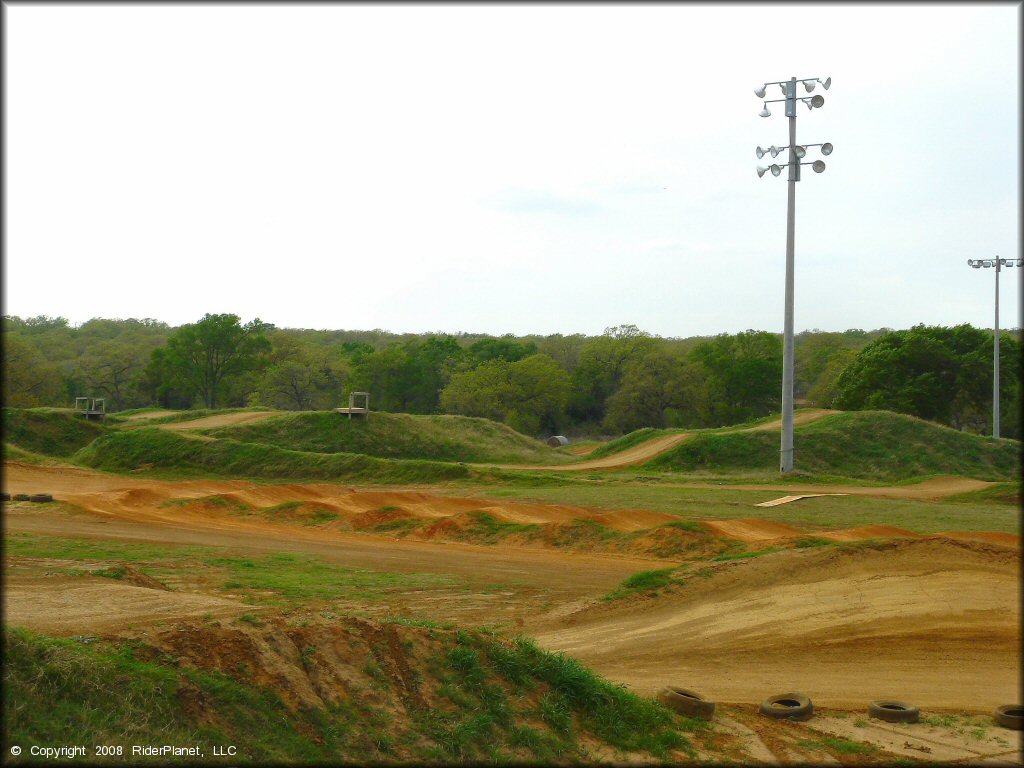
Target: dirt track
647,450
846,626
220,420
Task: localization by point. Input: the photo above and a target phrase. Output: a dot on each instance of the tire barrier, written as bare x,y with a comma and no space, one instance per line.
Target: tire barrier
6,497
41,497
894,711
1010,716
788,706
21,497
686,702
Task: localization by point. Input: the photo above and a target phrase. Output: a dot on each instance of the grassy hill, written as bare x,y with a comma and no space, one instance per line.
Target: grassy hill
396,436
49,431
158,449
878,445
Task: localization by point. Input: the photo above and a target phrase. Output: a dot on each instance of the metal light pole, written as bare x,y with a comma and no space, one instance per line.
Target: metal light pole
796,152
998,263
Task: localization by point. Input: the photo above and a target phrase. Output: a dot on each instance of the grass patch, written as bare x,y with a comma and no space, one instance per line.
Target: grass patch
692,503
745,555
644,582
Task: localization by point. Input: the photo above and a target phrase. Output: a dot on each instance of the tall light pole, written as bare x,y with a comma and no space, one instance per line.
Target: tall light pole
796,152
998,263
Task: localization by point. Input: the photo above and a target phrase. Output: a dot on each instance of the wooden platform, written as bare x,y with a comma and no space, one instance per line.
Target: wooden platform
350,411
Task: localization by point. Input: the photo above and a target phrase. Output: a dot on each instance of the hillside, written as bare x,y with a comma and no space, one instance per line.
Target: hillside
49,431
395,436
857,444
159,449
355,692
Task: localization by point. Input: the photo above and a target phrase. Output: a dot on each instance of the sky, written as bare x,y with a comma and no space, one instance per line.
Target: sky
509,168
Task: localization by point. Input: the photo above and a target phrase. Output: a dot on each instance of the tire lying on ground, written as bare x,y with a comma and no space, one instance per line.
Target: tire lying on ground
788,706
1010,716
21,497
686,702
6,497
40,497
894,711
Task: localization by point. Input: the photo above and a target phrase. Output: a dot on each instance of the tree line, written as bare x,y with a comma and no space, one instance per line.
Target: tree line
619,381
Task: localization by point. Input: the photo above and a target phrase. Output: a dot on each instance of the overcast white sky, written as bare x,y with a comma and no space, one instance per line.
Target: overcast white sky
508,168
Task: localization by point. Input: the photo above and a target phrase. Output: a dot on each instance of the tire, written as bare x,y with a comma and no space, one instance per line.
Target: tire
21,497
1010,716
894,711
788,706
41,497
686,702
7,497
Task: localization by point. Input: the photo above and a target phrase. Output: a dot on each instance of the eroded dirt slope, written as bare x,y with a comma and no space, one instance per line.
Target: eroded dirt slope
846,625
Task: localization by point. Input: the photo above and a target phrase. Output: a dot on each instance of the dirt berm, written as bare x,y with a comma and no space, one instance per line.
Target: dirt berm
845,624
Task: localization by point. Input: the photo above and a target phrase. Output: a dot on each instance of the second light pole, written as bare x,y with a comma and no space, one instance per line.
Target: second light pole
795,153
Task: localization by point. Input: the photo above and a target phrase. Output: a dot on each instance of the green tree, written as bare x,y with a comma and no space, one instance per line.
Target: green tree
529,395
743,376
29,380
201,357
602,364
939,373
658,390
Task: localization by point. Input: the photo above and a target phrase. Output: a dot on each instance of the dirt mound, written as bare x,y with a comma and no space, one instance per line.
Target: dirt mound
752,529
842,623
379,517
994,537
867,532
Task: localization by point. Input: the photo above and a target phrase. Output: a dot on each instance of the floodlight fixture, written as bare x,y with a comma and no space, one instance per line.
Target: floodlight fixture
998,263
797,153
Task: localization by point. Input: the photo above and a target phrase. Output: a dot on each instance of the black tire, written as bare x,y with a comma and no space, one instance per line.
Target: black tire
7,497
788,706
894,711
21,497
1010,716
41,497
686,702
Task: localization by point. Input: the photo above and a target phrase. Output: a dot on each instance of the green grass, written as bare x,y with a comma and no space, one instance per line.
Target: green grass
396,436
644,582
692,504
294,579
49,432
173,453
876,444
